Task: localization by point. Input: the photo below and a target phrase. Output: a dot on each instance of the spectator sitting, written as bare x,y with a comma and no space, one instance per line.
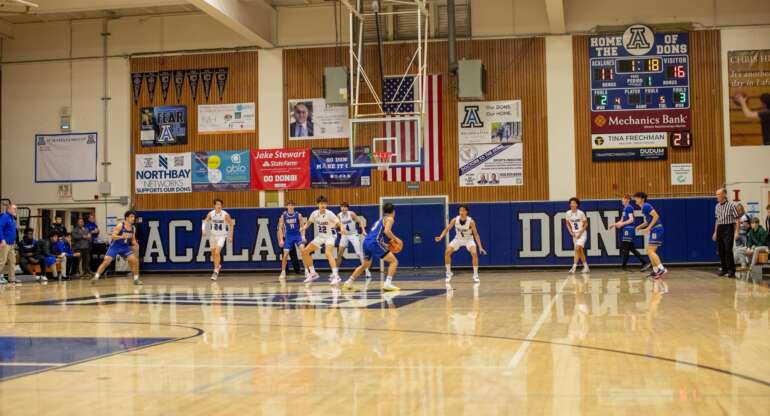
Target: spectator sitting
92,228
756,242
81,243
64,251
48,250
30,256
57,227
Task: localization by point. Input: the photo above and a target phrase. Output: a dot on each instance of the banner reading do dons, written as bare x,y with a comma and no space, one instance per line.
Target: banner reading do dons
163,173
278,169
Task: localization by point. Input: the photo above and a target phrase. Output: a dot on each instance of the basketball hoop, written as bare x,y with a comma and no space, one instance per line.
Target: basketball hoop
382,159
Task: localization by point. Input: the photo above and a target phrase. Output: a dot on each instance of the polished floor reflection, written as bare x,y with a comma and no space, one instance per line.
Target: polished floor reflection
518,343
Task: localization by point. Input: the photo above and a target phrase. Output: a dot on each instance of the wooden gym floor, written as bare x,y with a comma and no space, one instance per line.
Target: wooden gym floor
518,343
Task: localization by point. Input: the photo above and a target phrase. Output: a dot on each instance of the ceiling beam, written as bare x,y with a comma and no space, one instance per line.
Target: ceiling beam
555,11
60,6
254,20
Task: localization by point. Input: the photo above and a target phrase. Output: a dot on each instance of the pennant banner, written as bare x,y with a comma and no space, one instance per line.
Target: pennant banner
136,84
193,76
165,80
207,75
222,74
152,80
179,83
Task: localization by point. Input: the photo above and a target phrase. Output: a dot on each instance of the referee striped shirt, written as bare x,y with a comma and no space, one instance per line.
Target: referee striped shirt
726,213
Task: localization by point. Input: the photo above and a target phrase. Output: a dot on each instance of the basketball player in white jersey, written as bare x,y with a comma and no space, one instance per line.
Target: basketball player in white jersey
326,225
349,223
466,236
577,224
218,227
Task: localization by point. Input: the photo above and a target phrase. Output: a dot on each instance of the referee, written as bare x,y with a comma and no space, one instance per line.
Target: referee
725,232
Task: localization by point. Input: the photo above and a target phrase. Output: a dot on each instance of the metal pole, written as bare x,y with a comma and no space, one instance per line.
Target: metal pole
451,37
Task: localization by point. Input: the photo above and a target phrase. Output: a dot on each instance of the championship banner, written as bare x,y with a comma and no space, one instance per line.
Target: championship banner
279,169
162,173
489,122
312,118
70,157
164,125
629,146
227,118
221,171
330,168
491,165
749,83
640,81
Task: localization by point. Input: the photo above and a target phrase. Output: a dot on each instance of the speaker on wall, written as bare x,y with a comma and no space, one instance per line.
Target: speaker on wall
471,79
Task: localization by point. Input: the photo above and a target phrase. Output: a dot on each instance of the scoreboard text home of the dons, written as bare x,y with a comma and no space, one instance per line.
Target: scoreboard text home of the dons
640,90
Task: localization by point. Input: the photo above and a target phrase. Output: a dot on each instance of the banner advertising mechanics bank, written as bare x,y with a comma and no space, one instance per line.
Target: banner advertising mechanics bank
163,173
279,169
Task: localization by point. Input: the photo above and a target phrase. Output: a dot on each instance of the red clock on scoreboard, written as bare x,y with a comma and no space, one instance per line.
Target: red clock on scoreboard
680,138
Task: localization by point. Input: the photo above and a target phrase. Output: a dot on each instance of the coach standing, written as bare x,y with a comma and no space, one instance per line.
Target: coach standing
725,232
7,243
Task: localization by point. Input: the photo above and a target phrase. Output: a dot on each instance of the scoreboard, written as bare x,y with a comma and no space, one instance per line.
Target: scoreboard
658,79
640,93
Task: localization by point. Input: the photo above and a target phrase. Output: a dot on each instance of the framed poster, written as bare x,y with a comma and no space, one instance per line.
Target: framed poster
227,118
312,118
69,157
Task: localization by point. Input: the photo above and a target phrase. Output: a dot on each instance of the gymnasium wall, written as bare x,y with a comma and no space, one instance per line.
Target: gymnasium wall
241,87
514,71
52,65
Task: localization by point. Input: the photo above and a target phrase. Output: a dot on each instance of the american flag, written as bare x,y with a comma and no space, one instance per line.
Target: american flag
403,88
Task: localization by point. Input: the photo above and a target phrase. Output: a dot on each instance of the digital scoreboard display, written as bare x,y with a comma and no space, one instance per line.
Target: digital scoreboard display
639,74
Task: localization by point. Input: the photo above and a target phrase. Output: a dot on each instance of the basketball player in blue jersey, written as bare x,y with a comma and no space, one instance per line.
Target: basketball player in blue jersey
289,237
376,248
327,225
122,244
218,227
654,227
626,224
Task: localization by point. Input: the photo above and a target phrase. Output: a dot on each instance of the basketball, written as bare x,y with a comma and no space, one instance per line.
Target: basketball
395,247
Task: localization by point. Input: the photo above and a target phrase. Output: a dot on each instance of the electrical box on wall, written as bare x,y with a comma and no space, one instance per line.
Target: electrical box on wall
65,120
471,79
336,85
105,188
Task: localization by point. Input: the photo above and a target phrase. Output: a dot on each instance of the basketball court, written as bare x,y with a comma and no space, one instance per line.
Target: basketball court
536,342
389,207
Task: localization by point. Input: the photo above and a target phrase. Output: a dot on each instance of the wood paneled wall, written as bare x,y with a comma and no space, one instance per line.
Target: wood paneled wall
610,179
515,70
241,88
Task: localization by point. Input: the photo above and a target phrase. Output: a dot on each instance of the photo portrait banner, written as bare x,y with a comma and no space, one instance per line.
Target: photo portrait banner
279,169
312,118
221,171
749,83
162,173
70,157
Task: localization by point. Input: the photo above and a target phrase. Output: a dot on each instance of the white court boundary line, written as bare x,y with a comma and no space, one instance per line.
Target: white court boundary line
517,357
